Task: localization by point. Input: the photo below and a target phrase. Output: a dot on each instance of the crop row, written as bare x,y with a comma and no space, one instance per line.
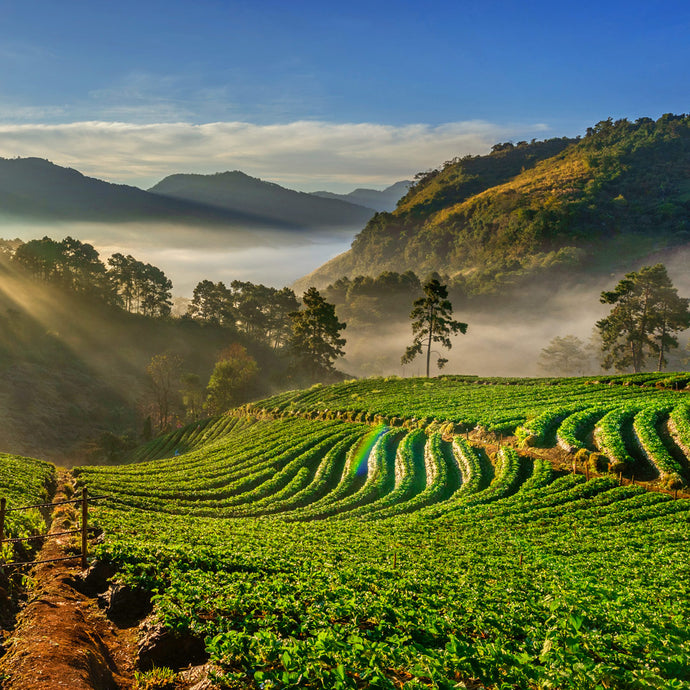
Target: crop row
516,592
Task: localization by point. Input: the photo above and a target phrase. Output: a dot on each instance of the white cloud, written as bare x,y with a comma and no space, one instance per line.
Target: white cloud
304,154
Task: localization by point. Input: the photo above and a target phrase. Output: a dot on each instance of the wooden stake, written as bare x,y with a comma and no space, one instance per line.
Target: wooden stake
620,479
3,505
84,525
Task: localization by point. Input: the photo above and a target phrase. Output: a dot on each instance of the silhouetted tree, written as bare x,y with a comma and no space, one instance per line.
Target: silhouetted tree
69,263
432,322
211,302
142,288
315,342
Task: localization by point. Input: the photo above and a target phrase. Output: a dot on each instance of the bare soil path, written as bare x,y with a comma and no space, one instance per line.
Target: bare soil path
62,638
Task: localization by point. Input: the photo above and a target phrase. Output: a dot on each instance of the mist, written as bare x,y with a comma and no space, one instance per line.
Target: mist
505,336
189,254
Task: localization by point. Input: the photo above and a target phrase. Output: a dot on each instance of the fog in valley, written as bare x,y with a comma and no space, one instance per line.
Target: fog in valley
507,339
505,335
188,255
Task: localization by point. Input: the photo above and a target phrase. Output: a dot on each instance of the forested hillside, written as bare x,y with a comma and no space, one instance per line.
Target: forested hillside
596,203
78,341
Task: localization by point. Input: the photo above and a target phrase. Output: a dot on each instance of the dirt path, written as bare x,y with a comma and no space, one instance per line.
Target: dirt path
62,638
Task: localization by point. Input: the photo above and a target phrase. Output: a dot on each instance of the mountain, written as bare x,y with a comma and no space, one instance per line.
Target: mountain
36,189
384,200
599,203
239,193
33,189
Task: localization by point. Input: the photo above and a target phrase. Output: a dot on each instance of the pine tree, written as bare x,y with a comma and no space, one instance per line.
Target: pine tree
316,341
647,312
432,322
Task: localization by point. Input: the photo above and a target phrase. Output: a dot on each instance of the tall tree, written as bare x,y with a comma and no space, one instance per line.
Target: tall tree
70,263
142,288
211,303
646,314
316,341
432,322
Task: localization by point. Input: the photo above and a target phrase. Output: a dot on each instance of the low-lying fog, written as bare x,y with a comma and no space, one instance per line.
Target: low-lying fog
496,343
188,255
499,341
508,341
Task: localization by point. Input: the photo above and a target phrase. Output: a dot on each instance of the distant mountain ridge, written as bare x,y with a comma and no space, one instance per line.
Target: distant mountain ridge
384,200
34,189
239,192
602,202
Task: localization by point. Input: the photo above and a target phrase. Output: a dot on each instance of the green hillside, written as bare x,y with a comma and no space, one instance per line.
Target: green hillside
595,203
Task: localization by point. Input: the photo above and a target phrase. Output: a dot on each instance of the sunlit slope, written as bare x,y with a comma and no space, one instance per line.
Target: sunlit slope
597,203
317,454
309,550
73,371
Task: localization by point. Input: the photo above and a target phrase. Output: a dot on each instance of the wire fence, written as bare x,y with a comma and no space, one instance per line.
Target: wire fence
83,529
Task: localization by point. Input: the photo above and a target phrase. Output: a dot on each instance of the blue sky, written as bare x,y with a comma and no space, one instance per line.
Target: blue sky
323,95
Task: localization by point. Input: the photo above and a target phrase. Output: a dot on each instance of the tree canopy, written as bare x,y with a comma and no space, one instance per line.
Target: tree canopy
646,314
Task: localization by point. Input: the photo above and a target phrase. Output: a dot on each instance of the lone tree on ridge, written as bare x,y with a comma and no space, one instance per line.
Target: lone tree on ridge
432,322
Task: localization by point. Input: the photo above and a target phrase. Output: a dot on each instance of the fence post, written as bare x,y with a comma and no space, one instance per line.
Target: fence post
3,505
84,524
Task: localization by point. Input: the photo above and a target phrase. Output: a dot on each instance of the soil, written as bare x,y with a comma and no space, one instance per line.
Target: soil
62,638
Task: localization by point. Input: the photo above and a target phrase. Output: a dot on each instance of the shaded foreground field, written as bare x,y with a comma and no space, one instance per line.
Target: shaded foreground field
361,535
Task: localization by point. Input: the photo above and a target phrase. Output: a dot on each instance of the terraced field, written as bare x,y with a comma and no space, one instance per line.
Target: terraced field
367,535
24,482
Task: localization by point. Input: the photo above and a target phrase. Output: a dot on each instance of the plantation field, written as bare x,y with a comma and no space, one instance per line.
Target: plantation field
358,536
24,482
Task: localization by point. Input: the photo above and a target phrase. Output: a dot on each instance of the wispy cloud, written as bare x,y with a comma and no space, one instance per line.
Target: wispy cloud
301,154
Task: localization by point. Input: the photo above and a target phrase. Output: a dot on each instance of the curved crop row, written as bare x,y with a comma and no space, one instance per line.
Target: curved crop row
651,445
409,477
572,429
609,437
536,430
679,426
